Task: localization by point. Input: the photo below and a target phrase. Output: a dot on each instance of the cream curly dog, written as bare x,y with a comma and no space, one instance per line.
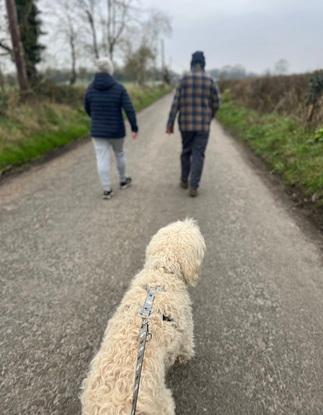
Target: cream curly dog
173,260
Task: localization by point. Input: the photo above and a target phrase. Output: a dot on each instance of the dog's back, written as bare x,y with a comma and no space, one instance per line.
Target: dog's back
173,259
109,385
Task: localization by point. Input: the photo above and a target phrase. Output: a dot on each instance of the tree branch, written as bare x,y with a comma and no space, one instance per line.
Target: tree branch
5,47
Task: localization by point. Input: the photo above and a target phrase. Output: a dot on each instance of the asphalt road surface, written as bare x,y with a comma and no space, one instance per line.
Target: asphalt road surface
67,258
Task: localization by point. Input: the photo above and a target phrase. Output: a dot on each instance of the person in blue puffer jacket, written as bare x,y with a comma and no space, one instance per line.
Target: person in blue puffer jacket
104,101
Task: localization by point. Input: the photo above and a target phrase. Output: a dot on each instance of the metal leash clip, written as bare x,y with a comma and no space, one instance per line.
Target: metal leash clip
147,307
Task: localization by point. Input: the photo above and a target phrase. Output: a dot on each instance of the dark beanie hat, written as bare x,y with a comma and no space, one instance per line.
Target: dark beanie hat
198,59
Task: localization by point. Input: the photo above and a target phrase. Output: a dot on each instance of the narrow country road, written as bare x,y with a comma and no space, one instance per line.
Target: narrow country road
66,258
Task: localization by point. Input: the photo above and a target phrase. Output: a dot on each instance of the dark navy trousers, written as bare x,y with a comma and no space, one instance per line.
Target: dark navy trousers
194,144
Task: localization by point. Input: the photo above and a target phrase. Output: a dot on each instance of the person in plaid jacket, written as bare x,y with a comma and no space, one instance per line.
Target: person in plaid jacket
197,101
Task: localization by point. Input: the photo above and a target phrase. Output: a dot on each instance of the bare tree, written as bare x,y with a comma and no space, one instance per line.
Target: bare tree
117,18
107,20
158,24
67,23
154,26
115,28
71,35
89,9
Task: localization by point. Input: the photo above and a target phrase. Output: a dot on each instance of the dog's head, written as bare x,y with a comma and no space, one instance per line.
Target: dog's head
179,249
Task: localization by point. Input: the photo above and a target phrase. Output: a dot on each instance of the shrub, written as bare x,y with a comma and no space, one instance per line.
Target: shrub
285,95
60,94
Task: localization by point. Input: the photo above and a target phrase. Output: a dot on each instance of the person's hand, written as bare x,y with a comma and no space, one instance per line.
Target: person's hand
170,130
134,135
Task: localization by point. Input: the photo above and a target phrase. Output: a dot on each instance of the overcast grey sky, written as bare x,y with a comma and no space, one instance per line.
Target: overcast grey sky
254,33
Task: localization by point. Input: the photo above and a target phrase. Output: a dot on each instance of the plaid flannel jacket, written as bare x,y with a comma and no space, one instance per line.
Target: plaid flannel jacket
196,100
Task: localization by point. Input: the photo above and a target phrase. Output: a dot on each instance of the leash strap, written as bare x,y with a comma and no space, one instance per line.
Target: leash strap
144,336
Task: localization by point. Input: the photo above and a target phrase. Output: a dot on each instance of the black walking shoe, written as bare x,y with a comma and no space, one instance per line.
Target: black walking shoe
107,194
126,183
183,185
193,192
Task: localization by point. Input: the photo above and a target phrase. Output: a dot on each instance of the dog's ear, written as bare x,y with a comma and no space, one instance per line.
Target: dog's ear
195,249
190,271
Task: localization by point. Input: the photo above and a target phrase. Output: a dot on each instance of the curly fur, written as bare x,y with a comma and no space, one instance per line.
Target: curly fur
173,260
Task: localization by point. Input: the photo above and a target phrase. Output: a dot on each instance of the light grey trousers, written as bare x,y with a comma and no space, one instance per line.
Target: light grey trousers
103,147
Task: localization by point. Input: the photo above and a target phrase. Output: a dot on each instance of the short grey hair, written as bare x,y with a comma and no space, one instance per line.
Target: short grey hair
104,65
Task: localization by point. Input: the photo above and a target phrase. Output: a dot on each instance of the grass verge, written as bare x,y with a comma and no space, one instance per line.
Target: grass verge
289,149
29,131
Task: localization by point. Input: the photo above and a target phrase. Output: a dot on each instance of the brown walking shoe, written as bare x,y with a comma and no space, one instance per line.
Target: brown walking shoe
193,192
183,185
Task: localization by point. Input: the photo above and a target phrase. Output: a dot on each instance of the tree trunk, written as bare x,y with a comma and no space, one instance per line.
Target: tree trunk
94,36
73,57
111,51
311,112
18,52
